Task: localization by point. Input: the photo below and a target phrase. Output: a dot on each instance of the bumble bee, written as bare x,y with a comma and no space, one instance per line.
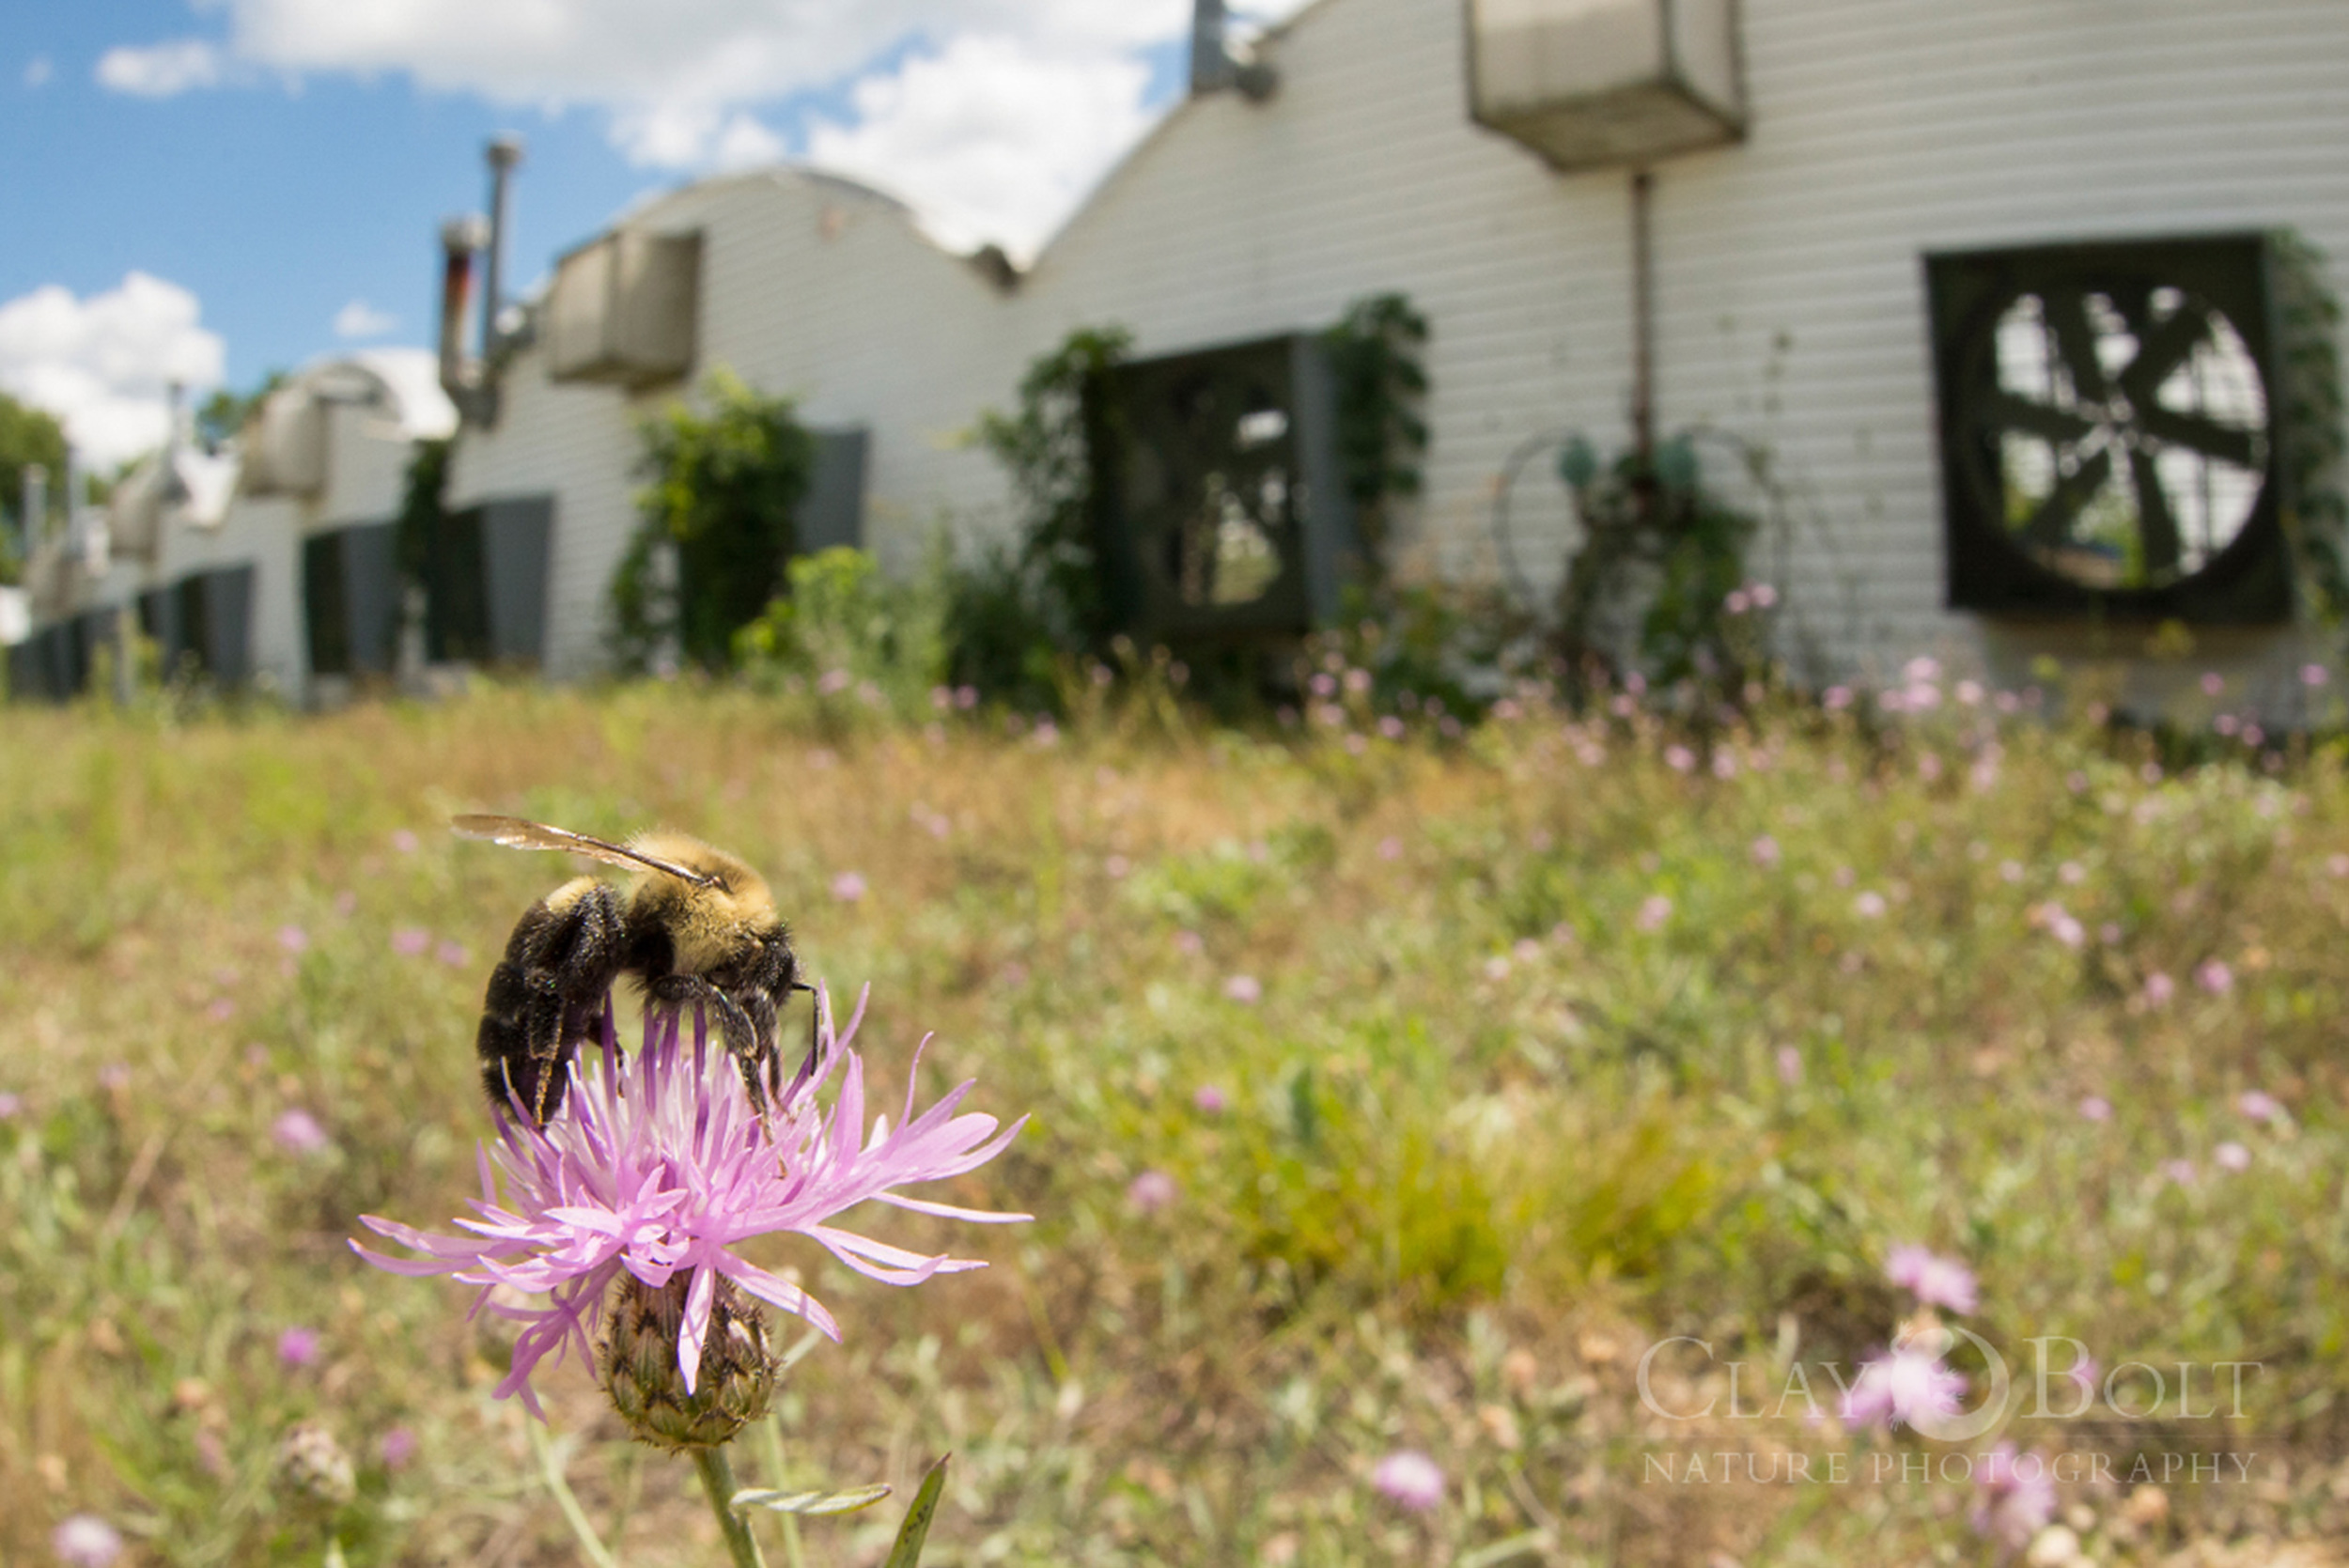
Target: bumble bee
699,927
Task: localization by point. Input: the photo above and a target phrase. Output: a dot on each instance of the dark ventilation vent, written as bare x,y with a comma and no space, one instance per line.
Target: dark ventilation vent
40,668
1221,511
2108,430
325,610
159,623
832,513
228,636
486,583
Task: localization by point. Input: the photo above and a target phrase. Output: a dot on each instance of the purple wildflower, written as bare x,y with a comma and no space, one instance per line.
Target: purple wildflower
293,939
298,1347
1152,1191
2160,988
410,942
1869,906
2179,1171
297,1131
2215,977
452,953
405,841
9,1105
2313,674
1653,912
2232,1156
849,887
2013,1497
2096,1107
1208,1100
1411,1479
1789,1066
86,1541
1934,1280
2259,1106
1389,849
1764,851
396,1447
660,1167
1902,1387
1244,988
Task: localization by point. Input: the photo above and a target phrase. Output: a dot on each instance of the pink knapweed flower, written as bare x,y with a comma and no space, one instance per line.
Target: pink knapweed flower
1789,1066
9,1105
1389,849
1901,1389
2160,988
2215,977
1835,698
1869,906
1410,1479
452,953
662,1166
2313,674
2179,1171
1152,1191
1653,912
293,939
298,1347
2232,1156
1208,1100
2096,1107
2337,864
1390,727
410,943
2259,1106
1933,1280
405,841
1244,988
297,1131
2013,1497
396,1447
1189,942
1679,758
1497,968
86,1541
1764,851
848,887
2213,683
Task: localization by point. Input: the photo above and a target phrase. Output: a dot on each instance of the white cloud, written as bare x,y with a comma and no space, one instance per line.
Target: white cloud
37,70
989,139
162,70
360,319
103,364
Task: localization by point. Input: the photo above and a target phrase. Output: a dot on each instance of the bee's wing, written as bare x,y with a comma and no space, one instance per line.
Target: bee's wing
517,833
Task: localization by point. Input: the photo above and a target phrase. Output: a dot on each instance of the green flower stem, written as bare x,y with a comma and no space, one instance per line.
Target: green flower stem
718,1481
770,1444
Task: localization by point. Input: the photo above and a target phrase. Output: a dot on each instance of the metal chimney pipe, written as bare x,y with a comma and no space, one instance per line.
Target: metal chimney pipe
1210,61
504,152
460,239
35,521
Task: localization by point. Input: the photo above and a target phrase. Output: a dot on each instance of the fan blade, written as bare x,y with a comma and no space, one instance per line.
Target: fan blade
2227,444
2075,343
2156,525
2050,527
2161,349
2007,411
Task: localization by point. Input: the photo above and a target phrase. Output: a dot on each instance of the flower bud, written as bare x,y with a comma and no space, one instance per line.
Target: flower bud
314,1463
734,1381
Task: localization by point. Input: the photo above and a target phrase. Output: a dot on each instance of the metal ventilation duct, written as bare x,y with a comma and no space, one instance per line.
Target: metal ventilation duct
1591,83
623,308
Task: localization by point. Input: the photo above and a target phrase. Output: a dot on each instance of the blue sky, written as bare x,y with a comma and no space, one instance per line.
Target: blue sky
265,172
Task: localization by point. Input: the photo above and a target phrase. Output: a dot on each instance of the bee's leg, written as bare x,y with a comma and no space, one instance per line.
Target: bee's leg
741,1038
815,1039
544,997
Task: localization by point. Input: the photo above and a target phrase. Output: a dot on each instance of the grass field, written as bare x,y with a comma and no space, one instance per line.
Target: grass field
1391,1095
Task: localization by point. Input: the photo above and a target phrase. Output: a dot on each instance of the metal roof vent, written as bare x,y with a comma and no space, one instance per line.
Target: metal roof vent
622,309
1591,83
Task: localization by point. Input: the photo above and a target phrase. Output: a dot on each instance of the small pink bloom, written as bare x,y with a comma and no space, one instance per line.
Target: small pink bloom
1389,849
1846,876
1835,698
1764,595
1358,681
1869,906
2313,674
452,953
1679,758
1934,1280
2014,1497
220,1010
9,1105
2179,1171
2337,864
1525,949
1151,1191
298,1132
2083,1372
941,699
1496,968
1737,602
1901,1388
86,1541
1653,912
2213,683
293,939
1118,865
2215,977
396,1448
406,841
1789,1066
1390,727
849,887
1207,1100
1410,1479
1244,988
298,1347
966,698
2160,988
1190,943
115,1077
1764,851
1013,975
410,942
2096,1107
2071,874
2259,1106
1969,692
2232,1156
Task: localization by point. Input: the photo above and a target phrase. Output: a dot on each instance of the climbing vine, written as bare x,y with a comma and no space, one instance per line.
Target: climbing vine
1374,361
726,479
2309,433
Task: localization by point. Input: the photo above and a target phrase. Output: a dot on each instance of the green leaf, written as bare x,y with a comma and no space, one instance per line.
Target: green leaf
906,1553
806,1502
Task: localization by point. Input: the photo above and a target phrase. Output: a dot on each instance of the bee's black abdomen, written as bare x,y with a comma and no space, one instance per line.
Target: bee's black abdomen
548,994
